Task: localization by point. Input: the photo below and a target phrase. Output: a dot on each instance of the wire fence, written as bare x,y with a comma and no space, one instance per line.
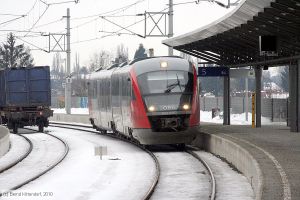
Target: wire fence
273,108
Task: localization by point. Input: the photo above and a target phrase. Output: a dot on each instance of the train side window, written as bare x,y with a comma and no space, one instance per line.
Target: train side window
115,91
95,90
108,93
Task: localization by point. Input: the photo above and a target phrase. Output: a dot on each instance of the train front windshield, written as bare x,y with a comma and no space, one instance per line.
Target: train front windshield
166,90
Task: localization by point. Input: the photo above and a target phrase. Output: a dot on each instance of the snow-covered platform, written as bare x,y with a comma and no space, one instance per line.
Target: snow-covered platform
267,156
4,140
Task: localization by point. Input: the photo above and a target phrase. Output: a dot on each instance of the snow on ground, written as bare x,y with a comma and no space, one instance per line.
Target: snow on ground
74,111
235,119
18,147
230,184
205,116
125,173
41,157
182,177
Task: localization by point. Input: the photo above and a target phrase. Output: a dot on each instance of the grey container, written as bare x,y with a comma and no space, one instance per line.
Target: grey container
25,87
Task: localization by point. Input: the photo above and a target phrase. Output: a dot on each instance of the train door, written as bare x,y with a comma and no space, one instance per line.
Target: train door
126,92
106,102
109,94
116,113
119,110
98,95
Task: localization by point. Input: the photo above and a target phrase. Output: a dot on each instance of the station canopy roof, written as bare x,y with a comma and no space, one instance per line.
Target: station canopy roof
233,40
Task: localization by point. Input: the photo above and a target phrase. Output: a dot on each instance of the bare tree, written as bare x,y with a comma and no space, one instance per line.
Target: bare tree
100,59
122,54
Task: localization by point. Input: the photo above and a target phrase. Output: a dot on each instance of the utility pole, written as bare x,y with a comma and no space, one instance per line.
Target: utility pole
68,76
170,25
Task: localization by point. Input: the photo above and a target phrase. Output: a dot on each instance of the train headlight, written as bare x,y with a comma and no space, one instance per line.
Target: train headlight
186,107
151,108
163,64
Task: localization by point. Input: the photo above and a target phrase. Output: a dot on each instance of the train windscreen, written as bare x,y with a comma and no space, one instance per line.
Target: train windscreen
160,82
166,90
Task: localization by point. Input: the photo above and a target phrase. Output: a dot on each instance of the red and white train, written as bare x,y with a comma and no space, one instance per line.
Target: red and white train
153,100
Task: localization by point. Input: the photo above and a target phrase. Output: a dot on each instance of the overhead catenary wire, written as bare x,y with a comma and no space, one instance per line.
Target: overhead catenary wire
114,32
39,18
49,23
115,11
19,16
11,20
39,48
8,14
126,27
103,16
123,28
111,12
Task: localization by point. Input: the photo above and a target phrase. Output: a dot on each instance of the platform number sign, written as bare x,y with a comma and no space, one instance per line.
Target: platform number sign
213,71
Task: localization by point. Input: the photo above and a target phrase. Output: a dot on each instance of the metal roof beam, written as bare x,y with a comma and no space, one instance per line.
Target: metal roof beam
289,19
196,55
286,44
270,19
207,55
282,14
211,56
288,3
285,9
277,30
214,56
222,50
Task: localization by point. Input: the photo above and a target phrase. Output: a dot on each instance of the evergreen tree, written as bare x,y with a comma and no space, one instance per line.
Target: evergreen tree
13,55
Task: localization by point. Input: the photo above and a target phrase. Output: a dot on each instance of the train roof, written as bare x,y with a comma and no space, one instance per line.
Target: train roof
146,58
144,65
154,64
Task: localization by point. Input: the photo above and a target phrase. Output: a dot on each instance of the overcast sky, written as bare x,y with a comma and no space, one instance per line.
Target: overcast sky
39,18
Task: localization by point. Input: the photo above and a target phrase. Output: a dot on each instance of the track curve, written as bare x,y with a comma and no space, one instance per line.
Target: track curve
86,127
213,180
49,167
22,157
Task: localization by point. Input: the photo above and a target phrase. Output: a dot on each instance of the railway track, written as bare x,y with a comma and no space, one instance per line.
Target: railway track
89,129
184,175
212,195
22,157
151,190
9,171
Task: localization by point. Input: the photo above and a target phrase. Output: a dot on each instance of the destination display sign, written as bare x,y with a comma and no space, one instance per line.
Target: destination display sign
213,71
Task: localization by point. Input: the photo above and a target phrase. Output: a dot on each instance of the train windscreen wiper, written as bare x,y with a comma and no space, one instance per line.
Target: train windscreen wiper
173,85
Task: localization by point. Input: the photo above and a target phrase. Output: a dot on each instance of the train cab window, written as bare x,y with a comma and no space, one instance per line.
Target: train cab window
166,82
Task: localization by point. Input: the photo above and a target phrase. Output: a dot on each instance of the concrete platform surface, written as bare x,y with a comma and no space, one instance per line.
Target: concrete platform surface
277,151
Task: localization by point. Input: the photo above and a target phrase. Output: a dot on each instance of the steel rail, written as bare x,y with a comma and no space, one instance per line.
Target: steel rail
213,180
51,166
150,191
75,125
48,169
22,157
